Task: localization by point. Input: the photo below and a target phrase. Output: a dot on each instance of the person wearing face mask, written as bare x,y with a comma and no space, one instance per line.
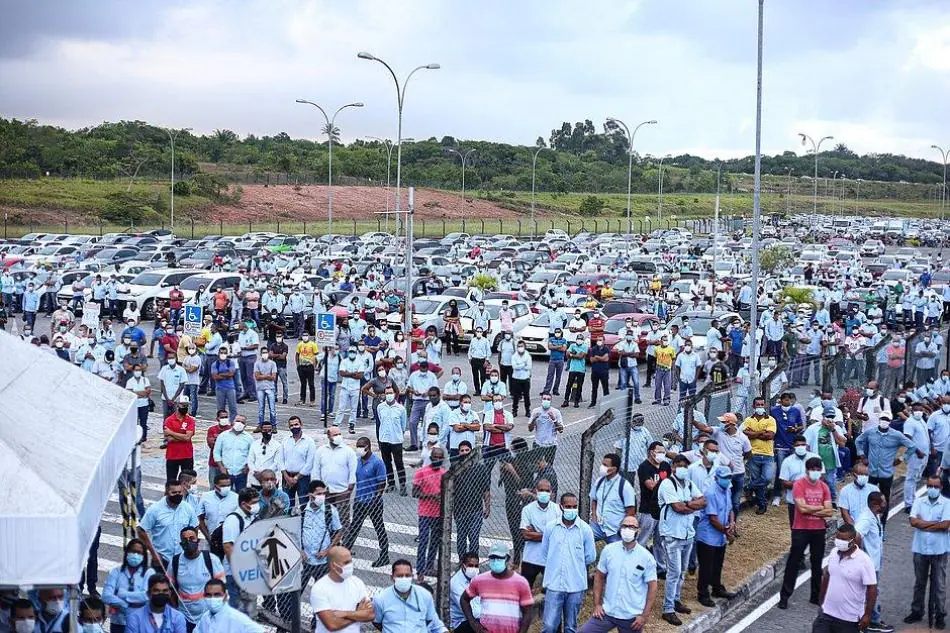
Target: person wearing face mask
296,456
404,607
510,607
599,356
335,463
367,362
825,439
23,616
938,424
735,447
848,587
162,523
628,349
368,500
437,413
375,390
265,454
878,447
179,429
760,429
520,381
420,382
278,352
869,535
930,519
468,569
625,584
506,350
231,451
557,349
219,617
687,365
535,517
224,374
249,506
142,388
427,488
158,615
216,504
872,407
665,355
789,423
565,568
793,471
678,499
190,571
125,586
926,357
916,427
546,423
612,497
812,508
576,369
479,350
265,379
716,528
274,501
454,389
392,428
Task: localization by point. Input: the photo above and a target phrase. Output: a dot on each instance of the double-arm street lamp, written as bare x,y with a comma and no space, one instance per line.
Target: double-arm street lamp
816,147
631,136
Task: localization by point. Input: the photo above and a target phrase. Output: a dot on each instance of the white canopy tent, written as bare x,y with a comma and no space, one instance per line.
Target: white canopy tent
65,436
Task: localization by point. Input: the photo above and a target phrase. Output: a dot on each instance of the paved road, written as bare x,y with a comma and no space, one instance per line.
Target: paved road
895,583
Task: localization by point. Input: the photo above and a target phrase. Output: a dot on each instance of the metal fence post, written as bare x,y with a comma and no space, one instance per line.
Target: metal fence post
587,461
192,228
444,571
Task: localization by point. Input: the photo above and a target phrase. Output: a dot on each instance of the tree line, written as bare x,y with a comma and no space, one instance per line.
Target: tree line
576,158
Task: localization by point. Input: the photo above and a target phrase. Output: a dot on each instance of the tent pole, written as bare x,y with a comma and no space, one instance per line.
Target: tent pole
74,606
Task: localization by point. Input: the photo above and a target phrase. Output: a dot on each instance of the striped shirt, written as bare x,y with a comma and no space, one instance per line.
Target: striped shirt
501,600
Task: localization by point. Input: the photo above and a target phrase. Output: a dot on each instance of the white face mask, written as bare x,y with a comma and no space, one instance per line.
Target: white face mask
238,427
53,606
604,470
498,406
319,500
25,626
842,545
346,571
469,572
337,440
628,534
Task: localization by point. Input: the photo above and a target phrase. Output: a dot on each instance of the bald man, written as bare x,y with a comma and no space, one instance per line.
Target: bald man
340,600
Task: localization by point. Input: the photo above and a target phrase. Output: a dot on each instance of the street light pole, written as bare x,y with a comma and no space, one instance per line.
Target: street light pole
331,127
171,138
756,217
716,224
816,147
788,193
534,167
400,100
857,199
631,136
659,190
943,192
464,156
834,194
390,146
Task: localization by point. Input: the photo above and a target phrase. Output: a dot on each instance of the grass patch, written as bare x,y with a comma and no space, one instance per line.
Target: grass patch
87,197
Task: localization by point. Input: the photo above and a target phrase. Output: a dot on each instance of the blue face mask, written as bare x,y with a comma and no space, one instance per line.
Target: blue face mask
570,514
403,584
544,496
215,604
933,493
497,565
724,482
134,559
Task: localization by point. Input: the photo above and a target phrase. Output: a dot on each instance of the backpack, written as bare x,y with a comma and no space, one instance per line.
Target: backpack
216,542
623,482
689,486
177,559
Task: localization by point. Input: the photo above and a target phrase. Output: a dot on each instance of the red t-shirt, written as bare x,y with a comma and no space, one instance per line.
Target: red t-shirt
175,299
814,494
178,449
213,432
429,481
497,438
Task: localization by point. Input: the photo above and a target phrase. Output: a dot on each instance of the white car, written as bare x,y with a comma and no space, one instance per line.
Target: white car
523,316
872,248
700,322
149,284
211,281
535,334
428,310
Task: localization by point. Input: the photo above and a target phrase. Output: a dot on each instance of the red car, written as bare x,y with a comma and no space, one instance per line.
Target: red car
641,324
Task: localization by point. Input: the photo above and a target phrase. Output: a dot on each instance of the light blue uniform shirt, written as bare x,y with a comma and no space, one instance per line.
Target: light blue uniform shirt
674,524
297,454
392,422
640,440
192,578
420,383
854,499
925,541
164,523
440,414
457,587
611,507
521,366
881,449
140,621
227,620
506,350
688,364
567,552
246,338
124,591
414,614
918,431
231,450
214,508
539,518
315,536
628,573
451,438
868,525
939,426
490,388
31,301
719,505
479,348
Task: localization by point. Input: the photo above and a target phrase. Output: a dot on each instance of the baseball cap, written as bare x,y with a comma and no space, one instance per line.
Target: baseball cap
499,550
829,412
723,471
184,400
728,418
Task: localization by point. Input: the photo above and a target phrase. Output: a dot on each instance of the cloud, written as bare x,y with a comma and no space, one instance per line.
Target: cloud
872,74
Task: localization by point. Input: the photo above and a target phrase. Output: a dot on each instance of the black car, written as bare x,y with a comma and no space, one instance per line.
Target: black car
116,255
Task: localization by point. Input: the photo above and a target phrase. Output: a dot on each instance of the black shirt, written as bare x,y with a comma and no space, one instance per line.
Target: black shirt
599,366
719,374
648,498
279,348
470,489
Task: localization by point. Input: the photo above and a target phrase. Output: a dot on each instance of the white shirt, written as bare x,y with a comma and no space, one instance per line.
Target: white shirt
335,466
259,459
227,620
327,594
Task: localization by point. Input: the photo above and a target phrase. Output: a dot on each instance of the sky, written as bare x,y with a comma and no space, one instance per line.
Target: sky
875,74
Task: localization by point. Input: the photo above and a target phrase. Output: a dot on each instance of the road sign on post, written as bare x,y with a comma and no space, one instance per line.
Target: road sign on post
326,329
90,314
266,558
193,318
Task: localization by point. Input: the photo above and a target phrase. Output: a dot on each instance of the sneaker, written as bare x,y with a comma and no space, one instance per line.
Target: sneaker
782,603
672,619
939,625
706,601
775,502
679,607
352,430
761,510
723,593
880,627
913,617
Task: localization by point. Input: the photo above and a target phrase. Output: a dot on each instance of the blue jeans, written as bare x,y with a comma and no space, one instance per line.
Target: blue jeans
780,455
430,533
687,388
738,486
234,592
831,478
677,555
761,469
192,392
267,399
226,398
300,491
561,607
238,483
415,418
327,397
630,376
600,535
247,376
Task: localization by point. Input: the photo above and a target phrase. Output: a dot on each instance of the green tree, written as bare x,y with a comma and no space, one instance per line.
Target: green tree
591,206
776,257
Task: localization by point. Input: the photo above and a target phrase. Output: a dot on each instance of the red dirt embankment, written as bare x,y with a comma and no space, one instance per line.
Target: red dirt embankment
267,203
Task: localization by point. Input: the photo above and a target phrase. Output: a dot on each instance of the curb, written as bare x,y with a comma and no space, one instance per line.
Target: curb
749,590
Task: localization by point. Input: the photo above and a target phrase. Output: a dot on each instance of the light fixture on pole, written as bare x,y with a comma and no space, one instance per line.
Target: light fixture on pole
330,130
464,156
943,192
631,136
171,138
534,166
400,100
816,147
